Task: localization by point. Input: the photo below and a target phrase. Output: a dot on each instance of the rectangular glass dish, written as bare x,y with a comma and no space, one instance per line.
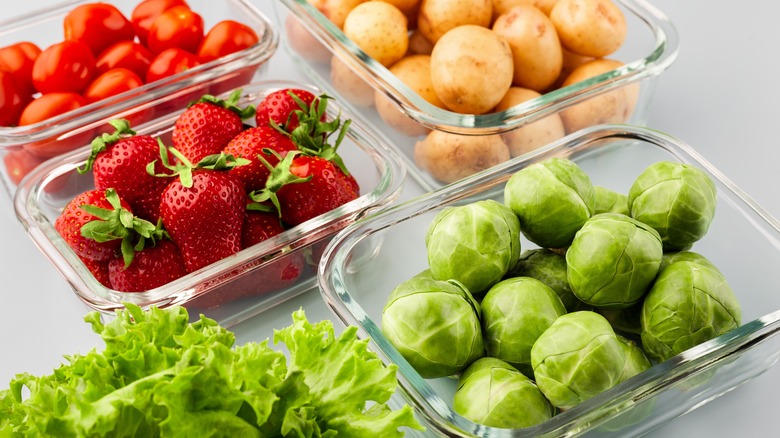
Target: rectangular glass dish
366,261
24,147
334,62
236,287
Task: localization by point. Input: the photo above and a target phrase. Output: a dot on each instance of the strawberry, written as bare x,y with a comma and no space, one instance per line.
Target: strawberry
203,209
152,266
99,270
119,161
261,222
206,126
249,144
280,107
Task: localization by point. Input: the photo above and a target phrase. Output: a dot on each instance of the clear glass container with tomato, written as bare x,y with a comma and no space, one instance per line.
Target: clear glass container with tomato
70,68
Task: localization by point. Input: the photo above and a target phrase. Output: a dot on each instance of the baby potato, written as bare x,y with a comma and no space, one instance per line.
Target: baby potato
436,17
405,6
471,69
418,45
450,157
303,42
614,106
536,51
533,135
350,85
570,62
379,29
503,6
336,10
589,27
414,71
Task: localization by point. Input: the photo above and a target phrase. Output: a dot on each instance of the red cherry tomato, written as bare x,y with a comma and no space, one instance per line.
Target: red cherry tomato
98,25
144,14
12,99
125,54
111,83
67,66
19,163
178,27
19,59
46,107
170,62
224,38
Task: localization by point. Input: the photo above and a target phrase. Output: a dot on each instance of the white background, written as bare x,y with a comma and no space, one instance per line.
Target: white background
718,97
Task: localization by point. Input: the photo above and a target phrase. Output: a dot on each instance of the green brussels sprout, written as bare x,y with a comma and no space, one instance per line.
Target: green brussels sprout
475,244
689,256
578,357
676,199
493,393
434,325
689,303
514,313
549,267
624,320
552,198
613,260
610,201
636,360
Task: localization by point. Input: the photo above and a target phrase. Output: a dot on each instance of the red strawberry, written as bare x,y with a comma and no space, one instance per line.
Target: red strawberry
280,107
249,144
261,222
152,266
206,126
99,270
120,161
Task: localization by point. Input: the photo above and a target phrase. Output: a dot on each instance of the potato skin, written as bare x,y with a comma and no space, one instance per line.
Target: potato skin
589,27
533,135
336,10
437,17
450,157
471,69
503,6
379,29
350,85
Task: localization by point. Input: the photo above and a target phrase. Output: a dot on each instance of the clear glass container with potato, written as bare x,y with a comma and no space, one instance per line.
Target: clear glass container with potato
518,73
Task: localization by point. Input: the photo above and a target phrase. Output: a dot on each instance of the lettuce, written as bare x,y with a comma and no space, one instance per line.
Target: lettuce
160,375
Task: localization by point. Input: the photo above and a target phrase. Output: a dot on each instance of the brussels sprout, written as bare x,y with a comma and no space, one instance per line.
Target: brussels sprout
475,244
689,303
636,360
682,256
492,393
610,201
613,260
578,357
434,325
514,313
676,199
552,198
625,320
549,267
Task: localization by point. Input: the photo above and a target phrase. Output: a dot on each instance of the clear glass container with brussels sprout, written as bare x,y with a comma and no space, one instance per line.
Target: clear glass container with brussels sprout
618,314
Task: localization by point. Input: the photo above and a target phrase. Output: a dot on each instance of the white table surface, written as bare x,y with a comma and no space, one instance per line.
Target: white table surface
718,97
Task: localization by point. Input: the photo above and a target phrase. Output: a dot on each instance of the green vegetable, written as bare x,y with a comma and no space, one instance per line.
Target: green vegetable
610,201
160,375
549,267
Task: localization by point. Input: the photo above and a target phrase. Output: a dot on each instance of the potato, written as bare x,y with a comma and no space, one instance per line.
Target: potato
615,106
405,6
533,135
570,62
471,69
589,27
418,45
503,6
379,29
303,42
536,51
336,10
414,71
350,85
450,157
436,17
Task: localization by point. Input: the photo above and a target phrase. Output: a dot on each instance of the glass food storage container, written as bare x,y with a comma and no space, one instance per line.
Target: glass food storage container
22,148
366,261
620,95
243,284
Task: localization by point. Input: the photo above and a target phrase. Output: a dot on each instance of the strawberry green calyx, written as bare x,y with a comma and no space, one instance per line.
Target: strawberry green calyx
184,167
280,176
101,143
120,223
231,103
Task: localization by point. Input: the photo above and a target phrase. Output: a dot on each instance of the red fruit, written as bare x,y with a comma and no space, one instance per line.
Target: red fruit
144,14
125,54
207,126
13,99
18,163
259,226
279,108
99,270
249,144
119,161
19,59
170,62
111,83
152,267
204,219
67,66
178,26
226,37
98,25
70,222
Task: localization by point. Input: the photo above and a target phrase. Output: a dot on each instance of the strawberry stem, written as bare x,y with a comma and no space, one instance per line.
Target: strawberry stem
101,143
184,167
280,176
231,103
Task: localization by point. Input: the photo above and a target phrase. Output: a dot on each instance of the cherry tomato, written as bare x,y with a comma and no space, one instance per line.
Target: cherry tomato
46,107
19,163
19,59
67,66
98,25
178,27
12,99
171,62
224,38
144,14
125,54
111,83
